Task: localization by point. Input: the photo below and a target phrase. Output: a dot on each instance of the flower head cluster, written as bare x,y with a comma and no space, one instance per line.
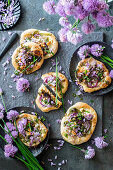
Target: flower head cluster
100,143
9,126
95,49
98,9
10,150
88,27
49,7
89,153
74,36
7,13
84,51
8,138
22,85
21,126
12,115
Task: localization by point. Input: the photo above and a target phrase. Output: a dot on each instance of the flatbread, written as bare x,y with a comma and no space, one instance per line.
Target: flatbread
50,80
35,50
38,135
75,136
100,79
41,37
46,102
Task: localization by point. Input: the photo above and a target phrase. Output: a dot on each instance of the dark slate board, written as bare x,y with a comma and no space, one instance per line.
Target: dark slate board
24,99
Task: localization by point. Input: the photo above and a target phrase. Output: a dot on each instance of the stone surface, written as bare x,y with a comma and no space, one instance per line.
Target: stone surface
64,55
104,158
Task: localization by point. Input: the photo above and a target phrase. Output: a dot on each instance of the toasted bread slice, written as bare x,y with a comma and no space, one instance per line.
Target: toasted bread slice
20,58
46,40
46,101
99,77
50,80
34,130
74,131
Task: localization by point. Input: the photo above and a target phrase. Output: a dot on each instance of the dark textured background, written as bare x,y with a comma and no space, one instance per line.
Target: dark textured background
31,13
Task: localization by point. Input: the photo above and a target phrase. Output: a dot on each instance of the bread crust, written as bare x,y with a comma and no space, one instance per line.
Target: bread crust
44,34
46,109
62,78
101,84
34,47
32,118
79,140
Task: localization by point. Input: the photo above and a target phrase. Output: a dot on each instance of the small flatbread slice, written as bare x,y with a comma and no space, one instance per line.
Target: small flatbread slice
92,75
50,80
45,39
31,130
46,101
30,54
79,123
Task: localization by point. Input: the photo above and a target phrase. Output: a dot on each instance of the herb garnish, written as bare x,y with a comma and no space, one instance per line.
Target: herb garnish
17,72
42,118
58,83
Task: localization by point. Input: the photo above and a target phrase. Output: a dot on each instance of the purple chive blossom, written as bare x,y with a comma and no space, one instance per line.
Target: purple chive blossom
22,85
111,74
104,19
84,51
1,92
88,27
89,153
90,5
21,126
60,9
8,139
1,115
14,134
80,13
100,143
12,114
69,8
49,7
75,37
97,50
63,34
10,126
63,21
10,150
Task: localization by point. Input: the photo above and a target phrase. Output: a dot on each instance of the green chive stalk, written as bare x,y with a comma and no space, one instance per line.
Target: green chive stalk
56,82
